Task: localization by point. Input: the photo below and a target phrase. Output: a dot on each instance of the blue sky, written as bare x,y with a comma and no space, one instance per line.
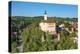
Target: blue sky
37,9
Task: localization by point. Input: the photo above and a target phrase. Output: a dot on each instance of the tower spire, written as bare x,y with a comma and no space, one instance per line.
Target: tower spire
45,12
45,15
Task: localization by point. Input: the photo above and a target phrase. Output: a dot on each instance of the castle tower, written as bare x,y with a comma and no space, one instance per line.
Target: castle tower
45,15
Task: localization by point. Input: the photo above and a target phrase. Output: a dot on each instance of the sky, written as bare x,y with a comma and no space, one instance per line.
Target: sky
38,9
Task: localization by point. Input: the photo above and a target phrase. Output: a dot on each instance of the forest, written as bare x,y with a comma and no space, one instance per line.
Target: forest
32,35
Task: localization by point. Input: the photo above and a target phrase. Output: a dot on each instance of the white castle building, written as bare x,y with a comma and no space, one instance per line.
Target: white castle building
48,25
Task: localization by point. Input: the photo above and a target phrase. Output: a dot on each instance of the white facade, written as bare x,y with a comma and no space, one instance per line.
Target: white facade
48,27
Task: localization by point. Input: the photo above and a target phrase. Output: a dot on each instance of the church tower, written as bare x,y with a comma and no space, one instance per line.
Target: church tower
45,15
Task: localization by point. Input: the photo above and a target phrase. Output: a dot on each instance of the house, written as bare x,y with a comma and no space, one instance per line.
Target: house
74,26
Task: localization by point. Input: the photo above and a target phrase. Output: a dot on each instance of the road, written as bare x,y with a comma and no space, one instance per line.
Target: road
20,46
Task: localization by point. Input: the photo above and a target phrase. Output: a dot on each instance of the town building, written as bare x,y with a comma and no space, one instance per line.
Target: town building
74,26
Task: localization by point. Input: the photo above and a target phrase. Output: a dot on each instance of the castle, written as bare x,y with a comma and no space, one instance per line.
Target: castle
48,25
